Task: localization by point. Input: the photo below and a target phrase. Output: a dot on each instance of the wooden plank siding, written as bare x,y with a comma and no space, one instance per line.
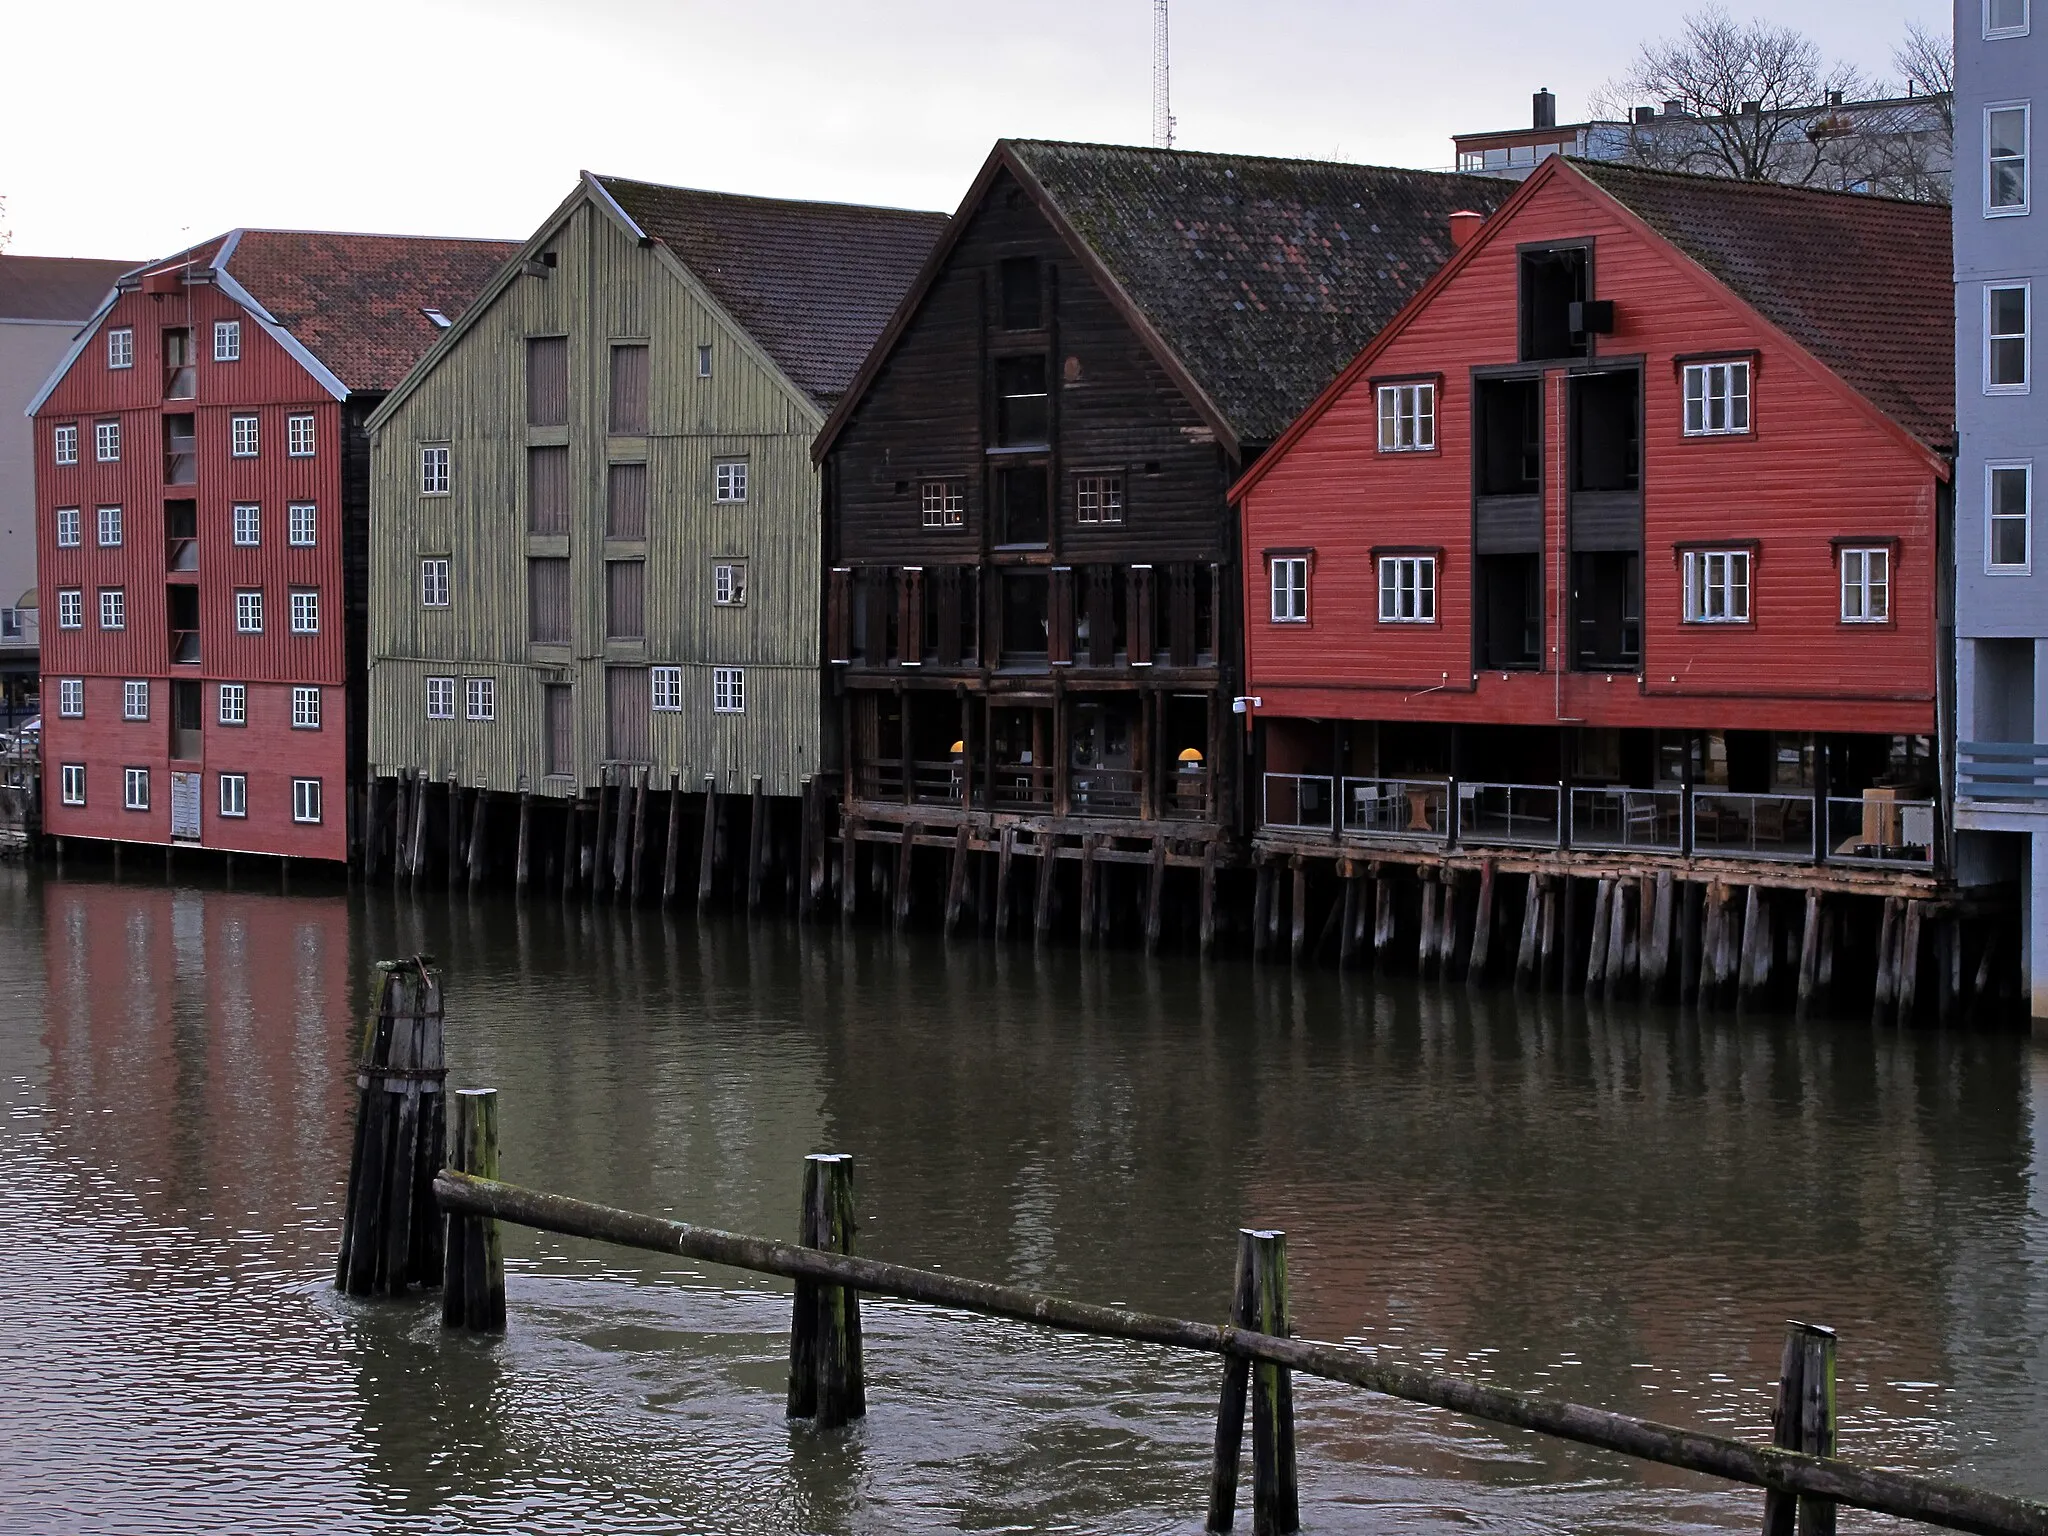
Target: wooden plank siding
604,287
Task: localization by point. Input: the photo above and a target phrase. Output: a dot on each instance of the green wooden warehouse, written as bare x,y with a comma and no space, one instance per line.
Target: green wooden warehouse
595,534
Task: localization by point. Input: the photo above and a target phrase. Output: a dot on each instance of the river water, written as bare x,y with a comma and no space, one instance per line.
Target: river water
1622,1205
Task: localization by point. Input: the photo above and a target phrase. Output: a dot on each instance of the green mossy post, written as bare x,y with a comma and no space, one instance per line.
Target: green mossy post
390,1233
826,1381
1804,1420
1276,1502
473,1281
1236,1383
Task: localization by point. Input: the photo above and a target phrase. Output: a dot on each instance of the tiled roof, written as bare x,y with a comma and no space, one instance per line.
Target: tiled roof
813,283
1864,283
1264,277
358,302
55,287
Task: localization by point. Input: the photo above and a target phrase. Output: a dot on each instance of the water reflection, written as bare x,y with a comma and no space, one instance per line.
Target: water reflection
1618,1204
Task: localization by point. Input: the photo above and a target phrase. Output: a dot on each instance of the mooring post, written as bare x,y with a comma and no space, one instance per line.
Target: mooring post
826,1381
1237,1371
473,1280
1276,1505
390,1229
710,848
1803,1420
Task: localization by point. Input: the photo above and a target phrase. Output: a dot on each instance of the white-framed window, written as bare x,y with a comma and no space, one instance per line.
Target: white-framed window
1717,586
234,794
71,698
440,698
729,583
306,801
121,347
704,361
242,437
113,608
944,503
135,789
667,687
433,469
1099,498
1290,589
2005,159
729,480
248,524
305,709
1716,399
134,700
227,341
1407,589
305,612
2009,518
1866,585
234,704
728,691
2005,18
67,527
66,443
1407,418
433,583
249,611
298,437
70,608
2007,320
480,698
74,784
110,528
106,441
302,523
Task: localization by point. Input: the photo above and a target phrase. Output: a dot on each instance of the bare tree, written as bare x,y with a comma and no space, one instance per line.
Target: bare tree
6,234
1927,62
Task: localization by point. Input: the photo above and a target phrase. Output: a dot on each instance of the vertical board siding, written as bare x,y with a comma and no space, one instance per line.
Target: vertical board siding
547,490
547,381
605,288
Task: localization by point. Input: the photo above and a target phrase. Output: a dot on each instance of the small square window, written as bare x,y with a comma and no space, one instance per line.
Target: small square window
71,698
1866,586
305,612
434,469
667,688
306,801
110,527
249,612
67,443
106,441
729,583
1407,418
121,348
227,341
303,523
248,524
67,527
74,783
113,608
242,437
2009,518
1717,586
70,608
945,503
1290,589
728,691
2005,18
433,583
480,695
234,794
305,709
134,700
440,698
2005,338
1716,399
234,704
135,795
730,480
1099,498
298,437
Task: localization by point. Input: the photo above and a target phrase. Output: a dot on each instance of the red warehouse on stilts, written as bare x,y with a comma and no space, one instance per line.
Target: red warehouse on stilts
201,507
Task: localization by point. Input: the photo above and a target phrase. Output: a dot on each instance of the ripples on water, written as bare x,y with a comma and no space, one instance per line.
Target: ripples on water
1617,1205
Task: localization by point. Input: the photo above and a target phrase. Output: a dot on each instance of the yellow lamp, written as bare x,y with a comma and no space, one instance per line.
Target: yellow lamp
959,747
1191,754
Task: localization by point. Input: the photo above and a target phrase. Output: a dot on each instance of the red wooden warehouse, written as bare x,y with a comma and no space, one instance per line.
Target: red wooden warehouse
201,504
1624,537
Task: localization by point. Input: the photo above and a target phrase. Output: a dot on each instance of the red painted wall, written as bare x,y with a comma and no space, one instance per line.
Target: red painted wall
270,383
1816,465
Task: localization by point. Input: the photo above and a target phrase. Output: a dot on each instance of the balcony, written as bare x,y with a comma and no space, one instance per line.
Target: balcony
185,647
181,451
2002,770
181,537
1513,814
1650,819
1753,826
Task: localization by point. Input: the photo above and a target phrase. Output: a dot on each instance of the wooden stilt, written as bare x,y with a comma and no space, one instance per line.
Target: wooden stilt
1657,941
1208,918
709,852
456,849
1758,946
1948,954
1567,904
1090,893
1276,1502
416,853
1347,943
1830,930
1689,941
1636,917
1425,948
673,843
956,884
1006,852
1298,900
1477,962
757,844
1619,930
1041,915
1383,917
1229,1443
810,854
1803,1420
1262,909
906,852
523,868
1596,957
1555,891
826,1380
1909,961
1886,991
1528,956
476,838
636,841
390,1231
625,823
473,1276
1809,956
849,869
1155,896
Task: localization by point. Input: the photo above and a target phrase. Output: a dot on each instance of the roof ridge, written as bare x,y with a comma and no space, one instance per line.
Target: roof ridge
1243,159
767,201
1598,168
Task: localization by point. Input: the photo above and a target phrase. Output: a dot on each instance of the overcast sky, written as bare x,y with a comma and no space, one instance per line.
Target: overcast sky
128,129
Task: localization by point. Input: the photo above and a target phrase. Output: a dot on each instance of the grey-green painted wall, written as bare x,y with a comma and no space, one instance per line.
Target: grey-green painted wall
605,287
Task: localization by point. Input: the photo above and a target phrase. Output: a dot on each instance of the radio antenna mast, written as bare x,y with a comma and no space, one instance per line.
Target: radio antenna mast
1162,112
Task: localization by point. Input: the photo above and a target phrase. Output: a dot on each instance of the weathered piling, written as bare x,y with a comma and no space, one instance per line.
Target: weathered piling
1208,915
956,879
1596,956
1909,961
1383,919
1476,963
826,1381
1759,948
708,852
473,1278
1006,851
1090,887
1155,896
1809,957
672,844
906,853
637,859
1297,900
476,838
1527,955
1353,919
1886,990
417,847
757,843
1259,1305
1803,1420
523,868
1237,1373
1044,845
1657,940
390,1229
